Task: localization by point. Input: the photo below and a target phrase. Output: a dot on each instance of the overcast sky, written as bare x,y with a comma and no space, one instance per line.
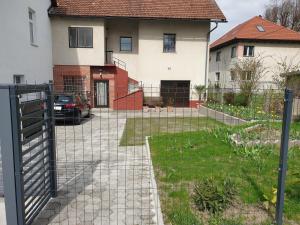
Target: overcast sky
236,12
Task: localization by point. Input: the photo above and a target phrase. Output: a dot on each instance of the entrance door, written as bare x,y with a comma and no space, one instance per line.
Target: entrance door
175,93
101,94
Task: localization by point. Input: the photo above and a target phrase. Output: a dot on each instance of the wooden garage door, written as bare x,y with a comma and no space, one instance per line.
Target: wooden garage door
175,93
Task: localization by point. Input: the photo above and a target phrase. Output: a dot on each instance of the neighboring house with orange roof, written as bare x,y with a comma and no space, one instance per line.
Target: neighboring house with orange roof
107,47
256,37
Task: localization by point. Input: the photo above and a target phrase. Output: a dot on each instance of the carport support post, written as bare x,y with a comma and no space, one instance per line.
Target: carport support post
287,116
52,149
10,149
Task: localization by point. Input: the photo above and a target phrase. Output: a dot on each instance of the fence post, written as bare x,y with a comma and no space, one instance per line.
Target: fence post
11,162
52,150
287,116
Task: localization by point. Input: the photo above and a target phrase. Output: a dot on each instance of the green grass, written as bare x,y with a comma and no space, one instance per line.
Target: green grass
182,159
137,129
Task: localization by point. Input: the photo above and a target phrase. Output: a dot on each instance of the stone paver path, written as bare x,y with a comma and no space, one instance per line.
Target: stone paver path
100,182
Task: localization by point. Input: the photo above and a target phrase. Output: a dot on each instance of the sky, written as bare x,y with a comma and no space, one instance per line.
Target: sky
236,12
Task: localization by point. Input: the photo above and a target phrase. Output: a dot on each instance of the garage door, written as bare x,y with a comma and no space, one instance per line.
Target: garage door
175,93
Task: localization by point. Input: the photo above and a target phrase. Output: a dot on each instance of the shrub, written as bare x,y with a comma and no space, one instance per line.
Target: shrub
241,100
229,98
212,196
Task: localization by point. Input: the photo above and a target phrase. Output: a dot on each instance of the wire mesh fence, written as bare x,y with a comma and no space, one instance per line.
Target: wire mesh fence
183,158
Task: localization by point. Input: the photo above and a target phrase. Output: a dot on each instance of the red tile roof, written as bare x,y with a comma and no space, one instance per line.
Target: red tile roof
249,31
167,9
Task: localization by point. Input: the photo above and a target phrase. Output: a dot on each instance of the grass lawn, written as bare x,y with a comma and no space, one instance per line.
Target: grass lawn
137,129
184,158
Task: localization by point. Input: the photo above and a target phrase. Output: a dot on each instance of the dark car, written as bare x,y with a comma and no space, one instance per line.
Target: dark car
71,108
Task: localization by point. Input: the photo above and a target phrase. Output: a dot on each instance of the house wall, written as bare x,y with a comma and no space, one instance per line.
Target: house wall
223,66
116,28
187,63
272,54
63,55
18,56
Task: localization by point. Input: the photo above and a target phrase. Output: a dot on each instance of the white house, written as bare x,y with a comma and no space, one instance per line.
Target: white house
256,37
107,47
26,46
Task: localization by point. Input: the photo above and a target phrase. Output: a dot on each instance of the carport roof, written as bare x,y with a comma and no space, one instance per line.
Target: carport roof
163,9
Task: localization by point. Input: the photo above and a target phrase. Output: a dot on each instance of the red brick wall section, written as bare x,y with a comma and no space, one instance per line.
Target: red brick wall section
60,71
195,104
133,101
121,83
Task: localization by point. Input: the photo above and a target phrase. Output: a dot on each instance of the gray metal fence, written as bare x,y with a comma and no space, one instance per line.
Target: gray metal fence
28,150
151,166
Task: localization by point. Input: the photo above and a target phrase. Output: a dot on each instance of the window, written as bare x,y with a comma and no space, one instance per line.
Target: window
169,42
19,79
232,75
260,28
248,51
218,56
80,37
32,26
217,76
233,52
74,84
126,44
246,75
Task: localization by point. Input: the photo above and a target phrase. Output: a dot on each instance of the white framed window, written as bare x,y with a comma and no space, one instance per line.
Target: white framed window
232,75
80,37
218,56
217,79
19,79
32,26
233,52
248,51
169,43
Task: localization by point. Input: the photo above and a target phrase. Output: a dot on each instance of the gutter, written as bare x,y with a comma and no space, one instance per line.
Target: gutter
207,52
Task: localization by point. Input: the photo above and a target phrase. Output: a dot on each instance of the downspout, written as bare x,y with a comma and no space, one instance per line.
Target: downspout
207,52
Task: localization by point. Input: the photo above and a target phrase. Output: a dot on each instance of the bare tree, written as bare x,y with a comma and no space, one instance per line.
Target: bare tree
283,66
249,72
284,12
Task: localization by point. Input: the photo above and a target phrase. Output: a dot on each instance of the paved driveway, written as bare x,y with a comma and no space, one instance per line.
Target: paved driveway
99,181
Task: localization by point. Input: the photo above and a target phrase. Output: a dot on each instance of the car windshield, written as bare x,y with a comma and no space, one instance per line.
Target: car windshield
63,99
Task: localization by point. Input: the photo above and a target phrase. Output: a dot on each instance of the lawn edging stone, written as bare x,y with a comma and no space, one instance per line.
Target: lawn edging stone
154,190
222,117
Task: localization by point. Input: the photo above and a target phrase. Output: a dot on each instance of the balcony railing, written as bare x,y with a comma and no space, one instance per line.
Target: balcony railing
110,59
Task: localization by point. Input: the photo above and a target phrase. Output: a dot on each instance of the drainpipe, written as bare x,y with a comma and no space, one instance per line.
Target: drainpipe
207,52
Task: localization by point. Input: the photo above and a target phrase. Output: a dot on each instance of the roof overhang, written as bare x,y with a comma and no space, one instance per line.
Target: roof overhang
136,18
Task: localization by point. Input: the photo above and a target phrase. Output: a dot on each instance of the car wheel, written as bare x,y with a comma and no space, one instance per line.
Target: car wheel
89,114
77,120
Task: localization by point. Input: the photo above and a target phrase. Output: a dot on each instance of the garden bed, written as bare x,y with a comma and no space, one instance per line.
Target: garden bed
247,113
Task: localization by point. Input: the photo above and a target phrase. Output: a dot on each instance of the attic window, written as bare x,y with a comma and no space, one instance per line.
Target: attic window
260,28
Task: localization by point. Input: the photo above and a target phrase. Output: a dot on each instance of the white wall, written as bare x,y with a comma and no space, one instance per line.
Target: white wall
17,55
223,66
124,27
63,55
187,63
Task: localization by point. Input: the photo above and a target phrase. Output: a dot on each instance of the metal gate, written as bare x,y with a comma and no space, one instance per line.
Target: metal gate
28,150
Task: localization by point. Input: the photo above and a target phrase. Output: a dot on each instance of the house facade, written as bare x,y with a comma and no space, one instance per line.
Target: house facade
120,54
256,37
27,40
